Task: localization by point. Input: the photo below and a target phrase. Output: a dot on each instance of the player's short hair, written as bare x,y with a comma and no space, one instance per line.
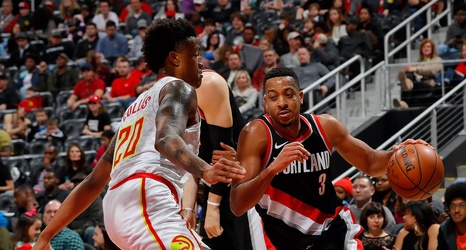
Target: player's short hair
162,37
455,190
279,72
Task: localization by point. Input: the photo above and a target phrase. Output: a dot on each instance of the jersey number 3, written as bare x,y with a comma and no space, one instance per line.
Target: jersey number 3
128,139
322,179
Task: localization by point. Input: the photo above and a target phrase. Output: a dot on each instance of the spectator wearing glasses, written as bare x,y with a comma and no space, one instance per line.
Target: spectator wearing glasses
452,233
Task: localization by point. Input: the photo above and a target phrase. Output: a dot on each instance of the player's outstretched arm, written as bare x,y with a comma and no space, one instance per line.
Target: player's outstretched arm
178,108
80,198
358,153
252,147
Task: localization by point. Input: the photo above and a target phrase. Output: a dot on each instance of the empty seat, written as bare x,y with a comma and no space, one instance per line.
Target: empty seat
47,99
90,156
36,161
62,97
36,147
18,147
66,114
72,128
115,110
16,161
86,142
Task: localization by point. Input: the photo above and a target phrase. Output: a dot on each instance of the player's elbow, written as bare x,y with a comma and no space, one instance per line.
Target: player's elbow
236,207
236,210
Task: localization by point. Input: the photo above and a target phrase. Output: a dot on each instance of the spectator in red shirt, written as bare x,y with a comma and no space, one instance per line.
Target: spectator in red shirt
124,87
141,70
7,19
270,62
89,85
106,137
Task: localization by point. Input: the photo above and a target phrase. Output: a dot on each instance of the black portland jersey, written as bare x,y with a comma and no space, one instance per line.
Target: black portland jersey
301,199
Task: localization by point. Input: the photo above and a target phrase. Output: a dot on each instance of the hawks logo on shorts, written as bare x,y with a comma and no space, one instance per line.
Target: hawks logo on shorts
181,242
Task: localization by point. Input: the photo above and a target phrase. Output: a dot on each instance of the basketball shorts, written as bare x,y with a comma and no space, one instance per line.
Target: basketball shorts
143,212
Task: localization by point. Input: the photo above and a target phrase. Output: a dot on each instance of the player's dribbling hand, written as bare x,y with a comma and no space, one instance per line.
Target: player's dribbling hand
410,141
293,151
229,153
223,171
42,245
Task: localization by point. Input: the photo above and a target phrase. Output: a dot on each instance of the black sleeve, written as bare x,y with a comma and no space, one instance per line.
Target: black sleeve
106,120
5,170
13,99
220,134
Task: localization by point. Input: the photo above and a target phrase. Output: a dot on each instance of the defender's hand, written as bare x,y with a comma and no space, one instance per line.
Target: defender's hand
223,171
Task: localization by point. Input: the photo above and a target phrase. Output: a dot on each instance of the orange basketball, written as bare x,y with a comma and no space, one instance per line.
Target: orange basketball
415,171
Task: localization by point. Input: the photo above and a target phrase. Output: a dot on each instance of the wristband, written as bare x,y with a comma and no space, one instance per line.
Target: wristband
189,209
215,204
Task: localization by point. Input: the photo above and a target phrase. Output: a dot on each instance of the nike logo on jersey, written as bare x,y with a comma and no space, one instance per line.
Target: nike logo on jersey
280,146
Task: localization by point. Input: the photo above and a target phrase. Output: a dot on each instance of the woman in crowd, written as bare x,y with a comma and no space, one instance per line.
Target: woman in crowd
335,24
421,76
68,8
384,193
245,94
213,42
373,219
98,119
101,239
420,229
75,162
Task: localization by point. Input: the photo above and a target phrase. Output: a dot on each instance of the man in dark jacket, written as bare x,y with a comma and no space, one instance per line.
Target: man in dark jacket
452,232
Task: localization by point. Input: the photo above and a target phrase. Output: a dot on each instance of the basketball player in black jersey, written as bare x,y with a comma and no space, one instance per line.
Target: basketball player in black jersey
287,159
220,125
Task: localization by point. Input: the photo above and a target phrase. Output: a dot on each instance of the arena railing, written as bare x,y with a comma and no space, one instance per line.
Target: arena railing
437,125
406,24
337,97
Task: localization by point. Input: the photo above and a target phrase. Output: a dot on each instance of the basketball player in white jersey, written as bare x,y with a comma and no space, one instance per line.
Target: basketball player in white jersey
148,160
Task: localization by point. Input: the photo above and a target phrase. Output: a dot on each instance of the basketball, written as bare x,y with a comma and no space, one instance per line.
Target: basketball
415,171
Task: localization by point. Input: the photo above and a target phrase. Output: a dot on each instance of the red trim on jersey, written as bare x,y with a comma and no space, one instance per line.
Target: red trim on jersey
201,114
268,243
153,177
321,130
297,205
191,231
269,145
301,138
146,215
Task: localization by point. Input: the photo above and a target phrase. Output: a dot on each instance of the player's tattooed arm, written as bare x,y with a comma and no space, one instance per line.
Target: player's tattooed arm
108,155
178,109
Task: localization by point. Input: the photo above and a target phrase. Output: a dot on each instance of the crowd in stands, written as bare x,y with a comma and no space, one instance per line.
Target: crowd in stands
70,68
